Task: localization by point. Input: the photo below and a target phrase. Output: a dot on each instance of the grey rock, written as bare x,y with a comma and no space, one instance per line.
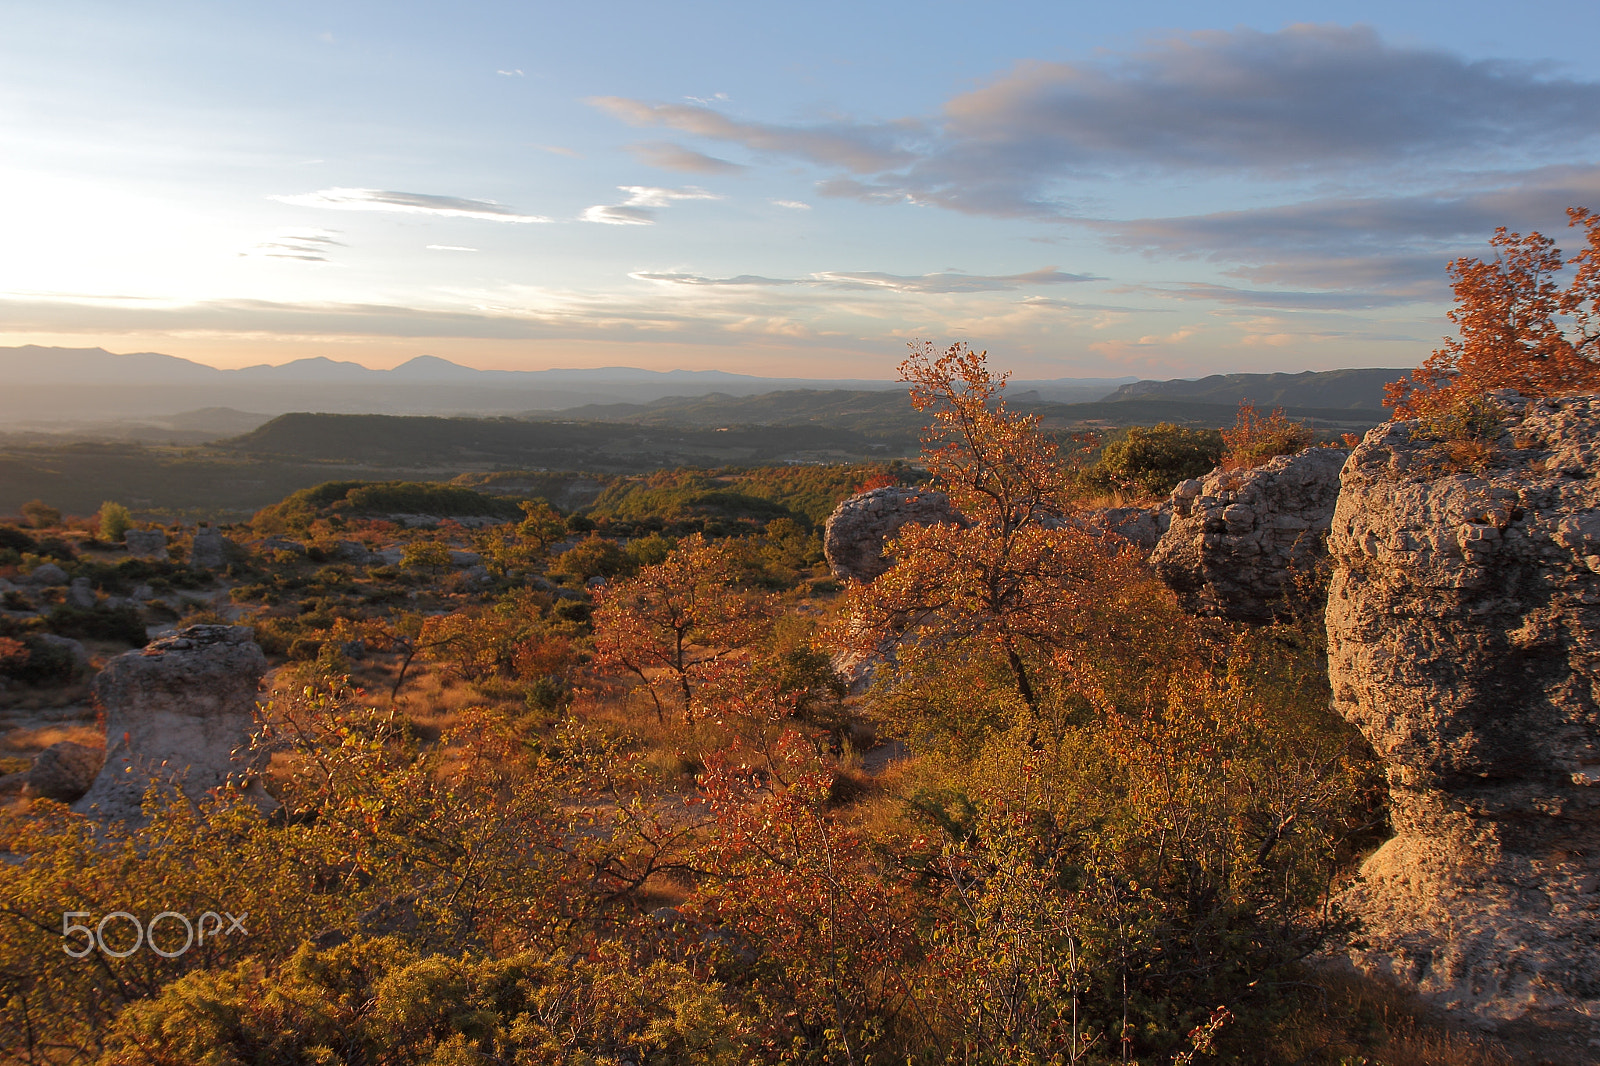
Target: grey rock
351,551
64,771
80,594
146,543
465,560
1139,526
142,593
855,533
179,712
1238,539
1464,642
208,549
80,654
280,544
47,574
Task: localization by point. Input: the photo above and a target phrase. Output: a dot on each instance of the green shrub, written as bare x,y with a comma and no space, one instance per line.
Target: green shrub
99,623
1154,460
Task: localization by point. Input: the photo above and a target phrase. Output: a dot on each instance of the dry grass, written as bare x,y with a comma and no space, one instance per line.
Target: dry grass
1350,1020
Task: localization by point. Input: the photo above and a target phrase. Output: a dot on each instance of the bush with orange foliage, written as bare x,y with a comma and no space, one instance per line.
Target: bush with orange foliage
1253,439
1508,312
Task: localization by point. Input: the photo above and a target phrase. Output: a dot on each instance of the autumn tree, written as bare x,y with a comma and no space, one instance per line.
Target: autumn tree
1016,577
1518,328
676,624
523,545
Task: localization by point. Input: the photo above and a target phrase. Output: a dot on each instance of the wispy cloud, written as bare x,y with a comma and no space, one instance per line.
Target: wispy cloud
414,203
639,209
1307,100
1396,245
448,248
714,98
856,147
309,246
794,205
510,73
669,156
943,282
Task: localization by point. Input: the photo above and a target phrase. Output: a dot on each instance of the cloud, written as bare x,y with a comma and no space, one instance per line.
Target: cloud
407,203
669,156
1305,101
1398,245
310,246
795,205
1339,300
639,209
944,282
855,147
510,73
712,99
448,248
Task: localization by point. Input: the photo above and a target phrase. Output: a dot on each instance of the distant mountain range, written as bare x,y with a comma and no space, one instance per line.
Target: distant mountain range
85,385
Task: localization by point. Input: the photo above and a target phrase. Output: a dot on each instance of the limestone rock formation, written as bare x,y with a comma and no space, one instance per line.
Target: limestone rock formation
80,593
1139,526
146,543
47,574
1464,642
855,533
64,771
1238,538
177,711
208,549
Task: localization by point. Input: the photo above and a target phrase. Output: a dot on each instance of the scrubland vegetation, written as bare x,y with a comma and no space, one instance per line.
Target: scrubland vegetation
646,784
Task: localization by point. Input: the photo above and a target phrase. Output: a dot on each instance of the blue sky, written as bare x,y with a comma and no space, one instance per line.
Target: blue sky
1084,189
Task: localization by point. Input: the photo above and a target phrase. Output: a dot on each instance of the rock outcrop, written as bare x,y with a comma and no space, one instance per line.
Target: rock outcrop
146,543
181,710
855,533
1464,642
64,771
1139,526
47,574
208,549
1238,538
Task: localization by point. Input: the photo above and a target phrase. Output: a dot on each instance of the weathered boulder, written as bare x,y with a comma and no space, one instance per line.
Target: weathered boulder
146,543
1464,642
181,710
1238,538
352,551
1139,526
59,647
64,771
47,574
853,538
80,593
208,549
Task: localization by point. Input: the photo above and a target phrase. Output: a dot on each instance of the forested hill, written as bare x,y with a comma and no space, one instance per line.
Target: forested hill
1327,388
483,443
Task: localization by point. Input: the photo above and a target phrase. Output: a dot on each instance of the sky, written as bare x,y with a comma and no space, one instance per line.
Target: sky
1084,190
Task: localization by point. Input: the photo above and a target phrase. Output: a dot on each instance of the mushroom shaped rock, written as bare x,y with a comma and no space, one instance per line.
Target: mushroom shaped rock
179,711
1464,642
